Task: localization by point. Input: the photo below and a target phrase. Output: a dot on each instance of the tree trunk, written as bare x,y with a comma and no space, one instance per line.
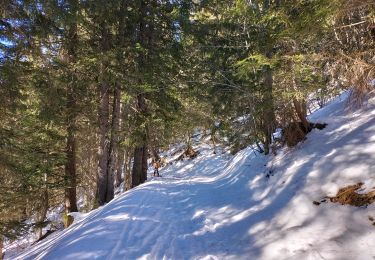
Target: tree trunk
144,164
139,171
269,113
70,172
128,170
137,167
122,153
113,143
268,109
301,111
300,106
120,168
117,155
71,110
103,194
103,144
42,211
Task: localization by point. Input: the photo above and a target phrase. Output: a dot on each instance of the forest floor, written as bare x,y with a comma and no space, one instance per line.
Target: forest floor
247,206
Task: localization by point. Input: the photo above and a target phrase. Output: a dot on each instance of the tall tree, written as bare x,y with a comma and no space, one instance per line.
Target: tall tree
105,190
71,44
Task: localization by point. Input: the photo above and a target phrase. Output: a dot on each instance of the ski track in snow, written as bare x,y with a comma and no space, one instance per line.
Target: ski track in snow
224,207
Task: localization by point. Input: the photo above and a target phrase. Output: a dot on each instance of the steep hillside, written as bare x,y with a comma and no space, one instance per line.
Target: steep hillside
249,206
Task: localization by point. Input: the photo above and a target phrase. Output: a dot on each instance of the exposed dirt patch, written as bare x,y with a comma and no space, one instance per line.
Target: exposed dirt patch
349,196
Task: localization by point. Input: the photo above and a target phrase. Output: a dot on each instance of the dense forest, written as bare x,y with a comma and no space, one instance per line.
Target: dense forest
91,90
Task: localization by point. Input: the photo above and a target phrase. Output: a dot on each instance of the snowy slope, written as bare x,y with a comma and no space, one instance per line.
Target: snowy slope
224,207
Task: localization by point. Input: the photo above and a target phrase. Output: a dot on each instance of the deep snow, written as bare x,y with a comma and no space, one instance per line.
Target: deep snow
225,207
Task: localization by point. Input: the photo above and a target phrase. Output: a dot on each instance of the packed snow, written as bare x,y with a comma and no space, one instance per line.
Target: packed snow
247,206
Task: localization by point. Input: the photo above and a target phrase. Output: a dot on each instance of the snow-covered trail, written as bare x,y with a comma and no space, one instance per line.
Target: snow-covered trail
224,207
159,219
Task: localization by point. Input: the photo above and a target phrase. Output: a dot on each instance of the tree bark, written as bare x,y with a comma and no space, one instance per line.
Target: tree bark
268,109
102,195
71,107
301,111
103,144
70,172
269,113
300,106
113,151
120,169
122,153
139,171
117,155
128,169
137,167
42,211
144,164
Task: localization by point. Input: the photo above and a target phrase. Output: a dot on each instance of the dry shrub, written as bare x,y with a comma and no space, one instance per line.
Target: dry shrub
349,196
352,55
361,76
355,72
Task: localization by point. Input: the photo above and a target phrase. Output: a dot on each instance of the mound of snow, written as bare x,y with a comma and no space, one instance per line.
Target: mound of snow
246,206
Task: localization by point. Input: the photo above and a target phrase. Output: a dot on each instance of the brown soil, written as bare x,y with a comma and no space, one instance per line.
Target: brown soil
349,196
